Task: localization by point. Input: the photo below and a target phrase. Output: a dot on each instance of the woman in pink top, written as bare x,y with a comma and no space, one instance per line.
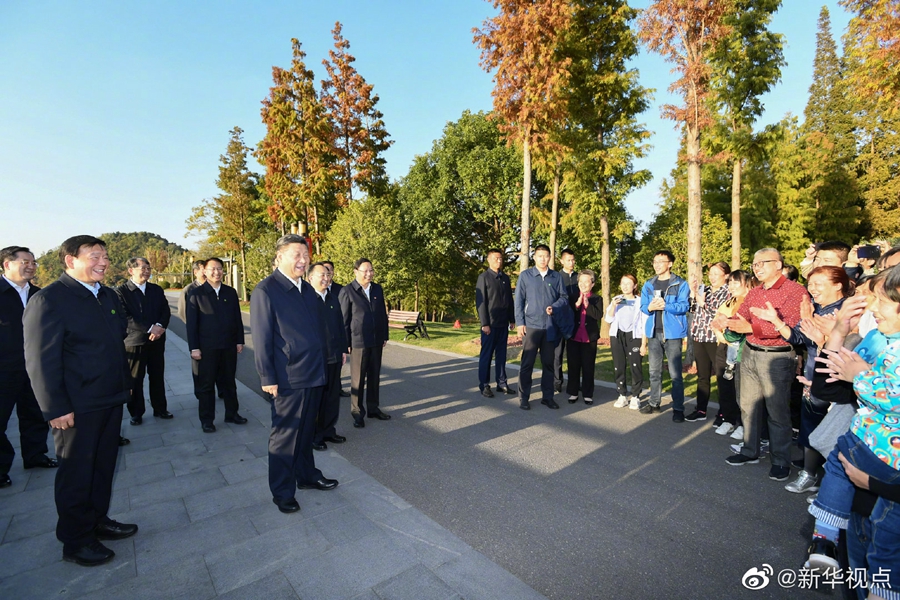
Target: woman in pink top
581,350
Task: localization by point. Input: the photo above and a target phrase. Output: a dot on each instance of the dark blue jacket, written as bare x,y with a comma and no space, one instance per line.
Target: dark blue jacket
534,294
143,310
12,341
74,349
288,328
365,321
336,342
214,321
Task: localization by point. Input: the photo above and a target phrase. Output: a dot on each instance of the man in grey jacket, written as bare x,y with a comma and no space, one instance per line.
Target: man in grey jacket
539,292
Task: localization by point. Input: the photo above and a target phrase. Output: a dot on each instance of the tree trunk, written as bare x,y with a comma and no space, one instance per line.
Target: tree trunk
316,223
243,273
694,250
554,217
736,216
525,245
416,305
604,272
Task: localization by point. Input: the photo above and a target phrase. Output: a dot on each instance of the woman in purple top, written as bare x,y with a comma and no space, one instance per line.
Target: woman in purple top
581,350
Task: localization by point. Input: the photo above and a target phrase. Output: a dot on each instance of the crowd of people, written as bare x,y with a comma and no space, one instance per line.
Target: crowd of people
815,366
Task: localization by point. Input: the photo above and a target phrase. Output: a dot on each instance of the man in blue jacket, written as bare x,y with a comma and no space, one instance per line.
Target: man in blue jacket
664,298
288,325
539,292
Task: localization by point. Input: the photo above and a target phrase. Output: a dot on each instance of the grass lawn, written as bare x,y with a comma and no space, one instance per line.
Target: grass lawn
462,341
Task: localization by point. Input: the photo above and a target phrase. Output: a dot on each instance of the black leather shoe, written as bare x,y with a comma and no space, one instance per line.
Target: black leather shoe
344,394
524,405
359,423
124,441
320,446
44,462
381,416
163,415
137,420
678,416
287,506
236,419
91,555
5,481
209,428
322,484
505,390
335,439
550,403
648,409
573,399
487,393
113,530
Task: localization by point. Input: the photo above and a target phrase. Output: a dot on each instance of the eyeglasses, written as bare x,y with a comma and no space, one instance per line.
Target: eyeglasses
758,264
26,263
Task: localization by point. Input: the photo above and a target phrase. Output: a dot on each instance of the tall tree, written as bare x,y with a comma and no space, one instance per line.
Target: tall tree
746,64
233,218
878,166
873,39
297,147
603,101
520,45
359,137
686,32
829,142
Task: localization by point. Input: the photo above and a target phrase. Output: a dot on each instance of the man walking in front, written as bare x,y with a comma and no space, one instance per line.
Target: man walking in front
665,300
288,323
494,305
75,356
768,362
148,314
539,292
16,394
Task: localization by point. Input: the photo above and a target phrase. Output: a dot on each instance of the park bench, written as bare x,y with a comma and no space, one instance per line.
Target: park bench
411,321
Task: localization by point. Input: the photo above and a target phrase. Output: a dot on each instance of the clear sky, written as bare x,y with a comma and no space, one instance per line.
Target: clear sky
113,113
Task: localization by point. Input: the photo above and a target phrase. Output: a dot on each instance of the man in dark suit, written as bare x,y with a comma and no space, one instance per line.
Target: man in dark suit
570,282
365,321
148,314
215,335
494,305
335,290
19,268
199,279
289,343
336,347
75,356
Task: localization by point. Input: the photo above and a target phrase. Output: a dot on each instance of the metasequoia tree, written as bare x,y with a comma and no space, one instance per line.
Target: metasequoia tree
873,38
685,32
359,137
297,147
520,46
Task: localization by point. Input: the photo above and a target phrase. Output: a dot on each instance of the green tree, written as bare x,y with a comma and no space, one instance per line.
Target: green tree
878,166
873,40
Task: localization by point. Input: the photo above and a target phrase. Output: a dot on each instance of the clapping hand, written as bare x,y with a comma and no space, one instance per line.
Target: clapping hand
766,314
842,365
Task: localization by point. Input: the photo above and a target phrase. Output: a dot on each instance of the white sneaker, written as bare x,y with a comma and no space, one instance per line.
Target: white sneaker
634,403
736,448
725,428
805,482
738,433
622,402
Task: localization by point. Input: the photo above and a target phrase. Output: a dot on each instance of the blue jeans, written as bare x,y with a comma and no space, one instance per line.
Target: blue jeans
493,345
835,499
672,348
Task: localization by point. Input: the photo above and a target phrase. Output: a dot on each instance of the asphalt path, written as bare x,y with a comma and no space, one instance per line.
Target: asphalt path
581,502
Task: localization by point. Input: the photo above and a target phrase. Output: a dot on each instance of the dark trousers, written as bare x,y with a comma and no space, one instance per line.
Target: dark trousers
626,353
705,359
536,341
558,363
728,395
581,358
766,383
493,345
365,370
330,407
149,358
15,392
215,369
291,459
87,456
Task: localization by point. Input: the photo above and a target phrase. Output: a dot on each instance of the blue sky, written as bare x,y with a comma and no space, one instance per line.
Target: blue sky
113,114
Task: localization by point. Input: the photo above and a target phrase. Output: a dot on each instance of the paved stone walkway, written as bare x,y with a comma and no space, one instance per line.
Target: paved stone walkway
208,527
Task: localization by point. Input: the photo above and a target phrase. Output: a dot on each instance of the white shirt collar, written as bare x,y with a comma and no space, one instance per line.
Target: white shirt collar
216,289
93,287
23,290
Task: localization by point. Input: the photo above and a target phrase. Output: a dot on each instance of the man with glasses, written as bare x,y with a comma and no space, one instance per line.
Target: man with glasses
768,362
664,298
16,290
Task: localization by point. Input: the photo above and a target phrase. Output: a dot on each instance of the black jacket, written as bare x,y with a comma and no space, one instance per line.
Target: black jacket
335,333
213,322
365,322
12,340
570,282
143,310
182,300
591,319
494,300
74,349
